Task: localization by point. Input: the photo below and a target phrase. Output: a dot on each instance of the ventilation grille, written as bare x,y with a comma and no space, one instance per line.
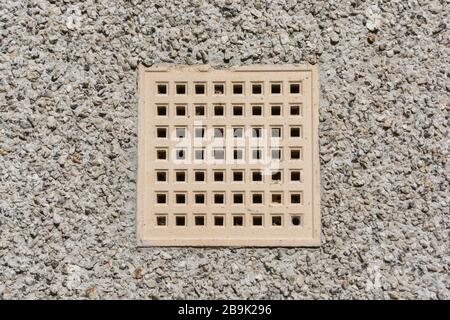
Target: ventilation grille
228,157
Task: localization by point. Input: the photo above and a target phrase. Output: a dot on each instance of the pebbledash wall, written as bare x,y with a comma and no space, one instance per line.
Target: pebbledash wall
68,146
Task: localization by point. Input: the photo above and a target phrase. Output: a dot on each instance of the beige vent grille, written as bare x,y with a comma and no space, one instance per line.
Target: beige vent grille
228,157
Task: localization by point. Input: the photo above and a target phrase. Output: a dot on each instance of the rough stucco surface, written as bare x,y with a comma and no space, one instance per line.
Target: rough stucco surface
68,103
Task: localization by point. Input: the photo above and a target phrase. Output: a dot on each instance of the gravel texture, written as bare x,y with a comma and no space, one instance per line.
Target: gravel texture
68,103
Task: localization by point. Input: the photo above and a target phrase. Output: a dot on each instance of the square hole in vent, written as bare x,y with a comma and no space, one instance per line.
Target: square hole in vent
257,198
277,220
161,154
181,176
294,88
277,198
238,154
238,88
295,132
257,110
161,111
180,198
181,111
295,110
180,154
276,153
181,132
162,88
219,198
257,88
219,88
257,154
200,88
296,220
238,175
257,176
296,198
199,154
275,110
257,220
238,221
295,175
161,132
161,197
180,221
219,110
161,176
238,198
181,88
200,198
219,221
238,132
200,221
200,110
277,176
199,132
275,88
238,111
296,154
219,153
219,176
228,157
200,175
161,221
276,132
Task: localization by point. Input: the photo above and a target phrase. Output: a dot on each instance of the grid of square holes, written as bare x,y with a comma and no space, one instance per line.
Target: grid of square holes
197,188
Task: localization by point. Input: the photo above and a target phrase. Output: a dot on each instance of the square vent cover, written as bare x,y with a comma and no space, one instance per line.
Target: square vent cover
228,157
